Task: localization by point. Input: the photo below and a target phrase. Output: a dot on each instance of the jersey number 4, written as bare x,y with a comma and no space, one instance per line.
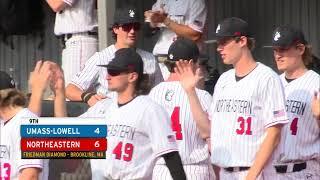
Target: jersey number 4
245,126
175,122
294,126
127,151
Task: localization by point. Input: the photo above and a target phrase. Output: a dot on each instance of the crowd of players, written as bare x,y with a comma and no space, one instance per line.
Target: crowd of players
256,125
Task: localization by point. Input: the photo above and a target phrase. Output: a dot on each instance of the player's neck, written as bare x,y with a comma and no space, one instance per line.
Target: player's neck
9,112
126,96
245,64
173,77
120,45
296,73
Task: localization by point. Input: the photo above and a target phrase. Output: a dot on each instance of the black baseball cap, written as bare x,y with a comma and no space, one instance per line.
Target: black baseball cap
184,49
285,36
126,59
231,27
6,81
125,15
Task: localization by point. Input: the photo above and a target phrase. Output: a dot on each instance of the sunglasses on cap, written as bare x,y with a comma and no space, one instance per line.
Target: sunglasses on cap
113,72
129,26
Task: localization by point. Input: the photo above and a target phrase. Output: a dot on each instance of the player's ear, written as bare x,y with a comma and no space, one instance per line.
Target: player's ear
301,48
133,77
243,40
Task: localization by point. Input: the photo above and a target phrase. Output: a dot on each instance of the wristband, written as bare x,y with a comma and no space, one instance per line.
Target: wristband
86,96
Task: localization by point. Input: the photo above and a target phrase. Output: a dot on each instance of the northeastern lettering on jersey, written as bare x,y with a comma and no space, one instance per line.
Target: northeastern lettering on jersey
234,105
295,107
122,131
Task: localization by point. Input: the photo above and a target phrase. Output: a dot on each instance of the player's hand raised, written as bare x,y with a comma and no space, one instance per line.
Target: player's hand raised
188,73
57,80
40,77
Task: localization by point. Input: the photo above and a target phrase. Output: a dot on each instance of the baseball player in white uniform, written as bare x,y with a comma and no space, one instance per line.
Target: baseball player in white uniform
184,18
193,149
12,110
298,155
136,138
248,107
125,30
76,23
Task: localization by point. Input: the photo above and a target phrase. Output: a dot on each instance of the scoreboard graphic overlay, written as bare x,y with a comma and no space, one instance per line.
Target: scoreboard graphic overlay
63,138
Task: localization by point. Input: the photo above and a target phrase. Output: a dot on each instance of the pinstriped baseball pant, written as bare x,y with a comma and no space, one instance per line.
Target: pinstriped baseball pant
78,49
193,171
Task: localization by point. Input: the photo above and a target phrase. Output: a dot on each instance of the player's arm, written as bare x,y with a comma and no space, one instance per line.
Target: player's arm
77,89
266,149
180,29
38,82
29,174
57,86
316,107
73,92
59,5
174,164
189,80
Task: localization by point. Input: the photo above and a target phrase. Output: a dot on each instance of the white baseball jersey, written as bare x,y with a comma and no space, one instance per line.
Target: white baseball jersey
302,131
170,95
93,75
100,109
78,16
10,151
188,12
240,113
138,133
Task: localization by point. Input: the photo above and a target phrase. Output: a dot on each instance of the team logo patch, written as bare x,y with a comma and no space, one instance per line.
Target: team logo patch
276,37
218,28
169,95
131,13
171,56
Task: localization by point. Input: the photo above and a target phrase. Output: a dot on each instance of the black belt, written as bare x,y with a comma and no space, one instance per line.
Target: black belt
90,33
296,167
235,169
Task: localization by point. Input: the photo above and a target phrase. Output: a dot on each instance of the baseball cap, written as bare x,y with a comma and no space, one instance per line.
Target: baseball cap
126,59
231,27
183,48
285,36
6,81
125,15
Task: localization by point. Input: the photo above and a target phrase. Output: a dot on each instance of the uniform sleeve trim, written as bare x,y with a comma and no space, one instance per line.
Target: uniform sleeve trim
284,121
165,152
195,27
40,166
